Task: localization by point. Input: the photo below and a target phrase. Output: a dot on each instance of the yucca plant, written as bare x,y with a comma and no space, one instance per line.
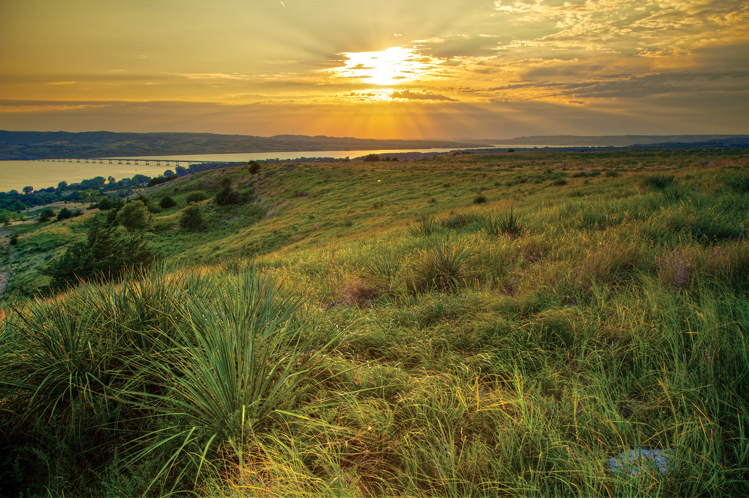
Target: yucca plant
238,358
382,269
442,267
424,227
505,224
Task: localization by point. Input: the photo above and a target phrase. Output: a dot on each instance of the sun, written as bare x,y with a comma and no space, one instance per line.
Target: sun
386,67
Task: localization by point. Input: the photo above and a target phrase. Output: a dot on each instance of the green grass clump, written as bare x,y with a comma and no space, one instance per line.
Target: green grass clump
505,224
424,227
658,182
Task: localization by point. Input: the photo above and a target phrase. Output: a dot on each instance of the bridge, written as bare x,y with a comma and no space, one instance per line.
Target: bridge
125,160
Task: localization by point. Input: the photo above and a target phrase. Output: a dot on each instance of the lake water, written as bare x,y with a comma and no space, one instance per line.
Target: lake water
14,175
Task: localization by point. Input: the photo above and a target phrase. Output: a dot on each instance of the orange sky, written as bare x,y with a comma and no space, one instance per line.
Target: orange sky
376,68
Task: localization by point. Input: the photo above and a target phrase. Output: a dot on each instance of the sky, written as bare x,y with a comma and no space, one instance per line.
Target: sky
408,69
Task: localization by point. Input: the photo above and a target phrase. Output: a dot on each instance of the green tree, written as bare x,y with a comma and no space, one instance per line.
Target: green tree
227,196
104,254
46,214
254,167
191,219
135,216
27,190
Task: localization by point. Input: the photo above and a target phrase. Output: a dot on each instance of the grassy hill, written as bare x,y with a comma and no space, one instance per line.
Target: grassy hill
498,325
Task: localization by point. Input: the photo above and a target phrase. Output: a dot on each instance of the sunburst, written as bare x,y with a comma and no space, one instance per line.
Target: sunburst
386,67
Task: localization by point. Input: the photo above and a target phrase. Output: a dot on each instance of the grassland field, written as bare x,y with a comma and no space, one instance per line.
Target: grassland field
527,324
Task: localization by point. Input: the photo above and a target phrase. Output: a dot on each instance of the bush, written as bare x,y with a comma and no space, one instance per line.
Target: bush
106,204
14,239
135,216
103,255
227,196
196,197
167,202
254,167
479,199
371,158
46,214
64,214
191,219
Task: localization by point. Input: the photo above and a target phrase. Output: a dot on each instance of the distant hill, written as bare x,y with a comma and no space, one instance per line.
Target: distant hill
52,145
622,140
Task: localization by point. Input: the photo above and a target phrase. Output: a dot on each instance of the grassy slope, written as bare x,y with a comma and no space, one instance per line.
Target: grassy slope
467,362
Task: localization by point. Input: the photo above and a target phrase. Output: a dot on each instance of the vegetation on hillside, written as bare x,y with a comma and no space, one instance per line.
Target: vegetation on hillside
372,330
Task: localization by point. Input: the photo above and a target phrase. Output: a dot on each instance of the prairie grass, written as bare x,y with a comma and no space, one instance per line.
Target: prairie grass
451,357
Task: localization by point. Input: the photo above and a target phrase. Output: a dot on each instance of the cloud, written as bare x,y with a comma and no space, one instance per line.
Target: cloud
16,106
634,87
646,27
409,95
213,76
61,82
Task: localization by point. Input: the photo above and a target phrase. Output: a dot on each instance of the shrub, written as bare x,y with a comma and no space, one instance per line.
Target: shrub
167,202
254,167
106,204
479,199
14,239
196,197
103,255
191,218
64,214
135,216
46,214
227,196
370,158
